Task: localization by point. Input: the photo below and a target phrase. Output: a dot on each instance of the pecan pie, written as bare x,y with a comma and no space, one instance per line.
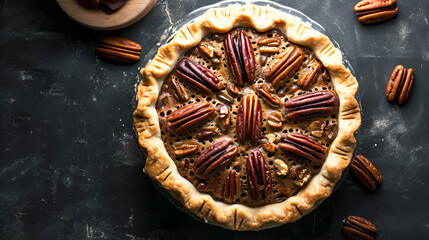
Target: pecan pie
247,116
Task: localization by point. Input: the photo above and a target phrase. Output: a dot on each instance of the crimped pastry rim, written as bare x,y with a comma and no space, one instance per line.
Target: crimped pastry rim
161,167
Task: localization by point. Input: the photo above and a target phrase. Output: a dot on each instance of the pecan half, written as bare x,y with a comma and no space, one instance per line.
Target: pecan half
178,89
190,116
119,50
214,158
258,176
224,117
400,84
249,119
309,76
311,105
303,146
198,76
374,11
186,148
241,59
287,64
269,95
275,120
365,172
269,45
232,185
355,227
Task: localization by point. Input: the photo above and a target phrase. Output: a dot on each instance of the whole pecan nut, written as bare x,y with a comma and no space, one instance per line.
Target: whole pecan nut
310,75
400,84
303,146
287,64
311,105
258,176
355,227
374,11
249,119
190,116
268,95
214,158
198,76
119,49
232,185
366,173
241,59
178,89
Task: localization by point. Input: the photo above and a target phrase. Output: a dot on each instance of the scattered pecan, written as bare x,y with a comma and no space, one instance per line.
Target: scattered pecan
178,89
186,148
207,133
300,175
210,52
269,95
233,90
119,50
198,76
358,228
309,76
232,185
268,146
332,130
249,119
366,173
311,105
258,176
224,117
263,60
214,158
287,64
241,59
303,146
400,84
281,167
275,120
190,116
269,45
374,11
225,98
316,128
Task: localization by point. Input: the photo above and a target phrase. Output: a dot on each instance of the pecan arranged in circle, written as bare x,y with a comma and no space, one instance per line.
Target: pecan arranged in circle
198,76
286,65
258,176
365,172
249,119
214,158
268,95
311,105
400,84
355,227
310,75
190,116
119,49
374,11
241,59
232,186
303,146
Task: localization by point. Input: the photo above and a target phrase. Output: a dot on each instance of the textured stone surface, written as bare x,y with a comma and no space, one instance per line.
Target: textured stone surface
70,167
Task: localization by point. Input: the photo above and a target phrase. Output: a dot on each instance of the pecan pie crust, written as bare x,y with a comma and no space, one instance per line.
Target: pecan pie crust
224,209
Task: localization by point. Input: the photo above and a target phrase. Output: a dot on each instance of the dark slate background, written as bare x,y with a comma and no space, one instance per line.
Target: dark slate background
70,166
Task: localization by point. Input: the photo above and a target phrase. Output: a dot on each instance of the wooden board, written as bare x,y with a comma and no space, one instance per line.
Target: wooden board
131,12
